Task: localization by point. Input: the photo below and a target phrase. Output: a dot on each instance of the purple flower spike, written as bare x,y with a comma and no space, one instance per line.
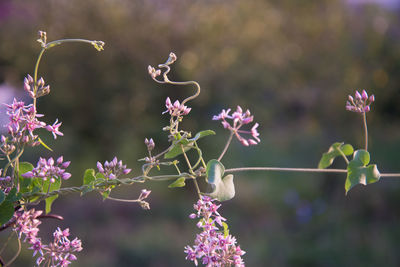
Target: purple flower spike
360,103
212,246
238,120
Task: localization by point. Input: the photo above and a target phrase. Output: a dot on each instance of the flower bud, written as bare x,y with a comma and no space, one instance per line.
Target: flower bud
66,175
357,95
372,98
40,83
367,109
351,98
100,167
364,95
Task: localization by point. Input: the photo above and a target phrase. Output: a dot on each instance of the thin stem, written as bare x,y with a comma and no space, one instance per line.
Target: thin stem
36,74
16,255
124,200
390,174
286,169
8,240
365,130
226,146
344,156
191,171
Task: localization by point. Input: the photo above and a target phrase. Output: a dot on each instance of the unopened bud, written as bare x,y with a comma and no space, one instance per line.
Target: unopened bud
372,98
358,96
364,95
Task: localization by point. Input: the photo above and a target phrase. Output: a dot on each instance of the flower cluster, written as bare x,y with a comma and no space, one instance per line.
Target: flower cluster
61,251
23,121
360,103
50,169
57,253
113,169
37,89
239,119
212,246
177,109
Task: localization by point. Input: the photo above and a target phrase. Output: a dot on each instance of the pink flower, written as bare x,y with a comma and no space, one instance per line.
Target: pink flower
360,103
54,129
212,246
238,120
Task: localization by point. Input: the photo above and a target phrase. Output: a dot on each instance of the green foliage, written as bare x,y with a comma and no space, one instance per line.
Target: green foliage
7,205
25,183
88,179
226,229
359,172
180,182
223,188
176,147
48,186
336,150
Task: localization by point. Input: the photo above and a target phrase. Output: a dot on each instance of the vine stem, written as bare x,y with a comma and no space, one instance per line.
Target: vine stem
365,130
191,170
226,146
313,170
286,169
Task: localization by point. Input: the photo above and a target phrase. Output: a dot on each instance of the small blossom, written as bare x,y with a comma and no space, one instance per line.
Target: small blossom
360,103
238,120
54,129
113,169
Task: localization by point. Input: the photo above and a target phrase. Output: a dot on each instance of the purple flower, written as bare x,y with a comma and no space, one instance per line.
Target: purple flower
113,169
239,119
360,103
177,109
48,169
54,129
212,246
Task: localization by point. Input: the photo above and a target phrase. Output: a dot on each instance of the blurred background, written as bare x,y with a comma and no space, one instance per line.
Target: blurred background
292,63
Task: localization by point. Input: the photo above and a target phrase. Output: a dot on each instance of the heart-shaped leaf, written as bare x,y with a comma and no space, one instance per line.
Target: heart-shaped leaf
223,188
334,151
359,172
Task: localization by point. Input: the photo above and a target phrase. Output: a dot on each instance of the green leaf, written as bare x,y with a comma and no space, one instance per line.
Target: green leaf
226,229
176,149
25,183
180,182
105,194
358,172
13,196
223,188
43,144
334,151
6,212
89,176
202,134
88,179
50,187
